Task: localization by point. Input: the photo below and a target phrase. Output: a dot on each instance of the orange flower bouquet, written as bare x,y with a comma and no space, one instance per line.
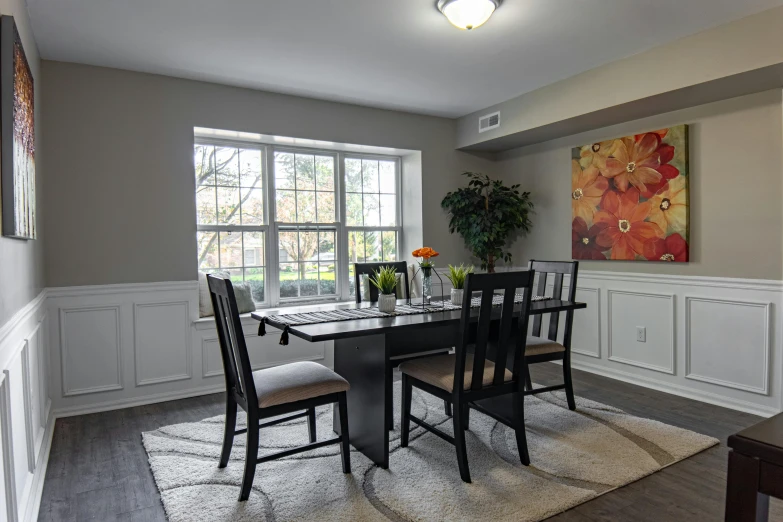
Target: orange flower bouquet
426,265
425,253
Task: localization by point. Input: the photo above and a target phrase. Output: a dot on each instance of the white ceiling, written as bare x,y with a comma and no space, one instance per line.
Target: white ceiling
397,54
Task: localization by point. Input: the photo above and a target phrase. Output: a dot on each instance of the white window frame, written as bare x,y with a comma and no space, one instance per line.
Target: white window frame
271,228
345,281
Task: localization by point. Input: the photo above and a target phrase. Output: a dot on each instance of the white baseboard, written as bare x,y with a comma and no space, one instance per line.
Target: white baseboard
673,389
138,401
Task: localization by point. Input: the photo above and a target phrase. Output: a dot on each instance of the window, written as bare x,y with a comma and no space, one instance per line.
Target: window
305,198
291,222
230,213
371,211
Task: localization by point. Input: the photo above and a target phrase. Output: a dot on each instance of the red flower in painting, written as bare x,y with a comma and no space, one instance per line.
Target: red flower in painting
626,229
665,155
673,248
662,133
584,243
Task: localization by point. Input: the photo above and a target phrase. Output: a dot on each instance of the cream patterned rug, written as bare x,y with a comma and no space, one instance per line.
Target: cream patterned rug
576,456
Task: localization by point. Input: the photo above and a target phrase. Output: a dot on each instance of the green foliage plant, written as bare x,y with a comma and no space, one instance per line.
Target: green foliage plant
488,215
385,280
458,274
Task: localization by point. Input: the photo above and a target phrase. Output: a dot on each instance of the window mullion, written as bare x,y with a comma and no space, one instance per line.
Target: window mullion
341,267
272,276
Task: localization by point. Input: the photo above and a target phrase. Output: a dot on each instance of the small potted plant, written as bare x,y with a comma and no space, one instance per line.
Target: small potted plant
385,279
457,276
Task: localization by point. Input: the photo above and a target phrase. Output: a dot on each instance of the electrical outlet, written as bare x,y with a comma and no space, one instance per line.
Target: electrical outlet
641,334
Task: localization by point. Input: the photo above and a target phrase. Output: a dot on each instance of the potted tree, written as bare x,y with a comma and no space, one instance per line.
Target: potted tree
457,276
487,214
385,279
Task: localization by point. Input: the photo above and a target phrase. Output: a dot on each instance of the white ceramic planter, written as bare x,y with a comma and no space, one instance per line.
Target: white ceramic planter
387,302
456,296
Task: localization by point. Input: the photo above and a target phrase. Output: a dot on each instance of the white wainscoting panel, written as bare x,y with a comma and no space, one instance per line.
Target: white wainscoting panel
654,312
162,342
146,340
14,376
586,335
743,341
90,349
708,338
24,409
6,440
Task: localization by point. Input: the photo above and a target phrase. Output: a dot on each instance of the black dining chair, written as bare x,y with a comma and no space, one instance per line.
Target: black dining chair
545,349
400,267
468,377
368,269
271,392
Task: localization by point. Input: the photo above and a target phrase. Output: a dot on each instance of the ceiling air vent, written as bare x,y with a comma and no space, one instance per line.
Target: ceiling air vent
489,122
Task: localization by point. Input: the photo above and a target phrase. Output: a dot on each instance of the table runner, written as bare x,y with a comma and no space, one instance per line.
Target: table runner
350,314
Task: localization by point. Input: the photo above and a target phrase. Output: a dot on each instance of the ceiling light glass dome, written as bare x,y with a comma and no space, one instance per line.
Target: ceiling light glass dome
468,14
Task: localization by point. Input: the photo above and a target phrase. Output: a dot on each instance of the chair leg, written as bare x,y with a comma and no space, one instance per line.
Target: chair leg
519,413
229,429
345,446
390,404
528,381
311,423
459,442
567,378
447,408
405,422
251,458
466,417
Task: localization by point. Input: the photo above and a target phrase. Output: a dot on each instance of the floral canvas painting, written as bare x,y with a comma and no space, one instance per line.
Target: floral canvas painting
629,198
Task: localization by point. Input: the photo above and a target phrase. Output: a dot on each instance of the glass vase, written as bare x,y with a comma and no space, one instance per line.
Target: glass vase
426,285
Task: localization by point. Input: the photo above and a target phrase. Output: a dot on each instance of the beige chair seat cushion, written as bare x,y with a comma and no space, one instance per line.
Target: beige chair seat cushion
439,371
295,382
542,345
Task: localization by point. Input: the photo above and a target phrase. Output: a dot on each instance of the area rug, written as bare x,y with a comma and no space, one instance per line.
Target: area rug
575,456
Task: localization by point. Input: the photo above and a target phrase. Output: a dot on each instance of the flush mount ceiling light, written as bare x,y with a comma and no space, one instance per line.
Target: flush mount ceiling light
468,14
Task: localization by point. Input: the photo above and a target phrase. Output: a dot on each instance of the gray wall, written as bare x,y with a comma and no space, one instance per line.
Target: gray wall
121,195
747,44
736,186
21,262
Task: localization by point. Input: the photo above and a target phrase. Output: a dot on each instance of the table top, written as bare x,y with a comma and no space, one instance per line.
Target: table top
769,431
378,325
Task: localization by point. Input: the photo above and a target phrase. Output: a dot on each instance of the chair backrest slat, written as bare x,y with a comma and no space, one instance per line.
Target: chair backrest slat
554,319
559,269
540,290
509,283
504,334
368,269
482,338
233,349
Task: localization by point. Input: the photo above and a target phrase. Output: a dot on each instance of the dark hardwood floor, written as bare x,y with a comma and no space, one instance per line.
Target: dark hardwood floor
98,468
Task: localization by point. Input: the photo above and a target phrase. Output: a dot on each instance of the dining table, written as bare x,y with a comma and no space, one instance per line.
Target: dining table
366,350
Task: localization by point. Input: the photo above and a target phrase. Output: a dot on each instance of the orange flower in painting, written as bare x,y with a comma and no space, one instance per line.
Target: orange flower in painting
596,154
626,229
669,208
587,188
634,162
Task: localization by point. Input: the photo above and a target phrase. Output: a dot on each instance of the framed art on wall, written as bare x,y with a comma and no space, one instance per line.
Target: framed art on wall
629,198
17,135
